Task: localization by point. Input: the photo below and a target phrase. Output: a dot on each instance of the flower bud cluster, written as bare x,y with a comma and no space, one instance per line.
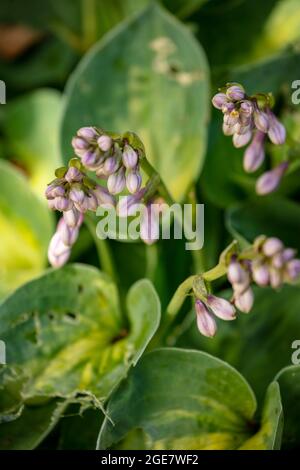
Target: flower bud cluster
246,119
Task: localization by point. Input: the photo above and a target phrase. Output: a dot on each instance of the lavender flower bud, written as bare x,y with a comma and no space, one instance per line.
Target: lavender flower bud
127,205
79,145
111,165
272,246
219,100
62,204
116,182
103,196
58,252
130,157
230,119
228,130
276,131
270,180
288,254
228,107
244,301
149,227
77,195
260,274
87,133
53,191
235,93
254,154
72,217
133,181
239,140
68,234
221,307
261,120
246,108
73,175
293,269
205,322
275,278
278,261
92,201
105,143
91,159
237,274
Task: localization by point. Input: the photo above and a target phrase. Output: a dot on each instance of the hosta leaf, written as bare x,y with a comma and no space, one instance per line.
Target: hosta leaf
25,226
31,124
65,330
289,383
270,328
35,422
182,400
149,76
270,432
271,216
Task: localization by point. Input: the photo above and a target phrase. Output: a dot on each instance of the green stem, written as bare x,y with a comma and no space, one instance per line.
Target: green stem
104,253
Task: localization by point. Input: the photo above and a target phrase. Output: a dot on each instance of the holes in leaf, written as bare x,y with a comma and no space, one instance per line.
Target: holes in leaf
71,317
122,334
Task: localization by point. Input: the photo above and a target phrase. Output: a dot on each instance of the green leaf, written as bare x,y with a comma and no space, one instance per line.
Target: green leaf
26,432
148,76
270,432
181,400
259,344
31,125
26,227
71,436
289,383
74,341
271,216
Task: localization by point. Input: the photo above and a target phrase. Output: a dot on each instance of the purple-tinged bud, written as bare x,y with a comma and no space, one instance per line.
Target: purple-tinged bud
246,108
87,133
239,140
261,120
129,157
79,144
219,100
228,107
205,322
63,204
68,234
237,274
92,202
105,143
103,196
230,119
91,159
228,130
128,205
272,246
72,217
53,191
293,269
116,182
278,260
221,307
275,278
277,132
52,204
288,254
149,227
77,195
73,175
58,252
110,165
244,301
235,93
270,180
260,274
133,181
254,154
